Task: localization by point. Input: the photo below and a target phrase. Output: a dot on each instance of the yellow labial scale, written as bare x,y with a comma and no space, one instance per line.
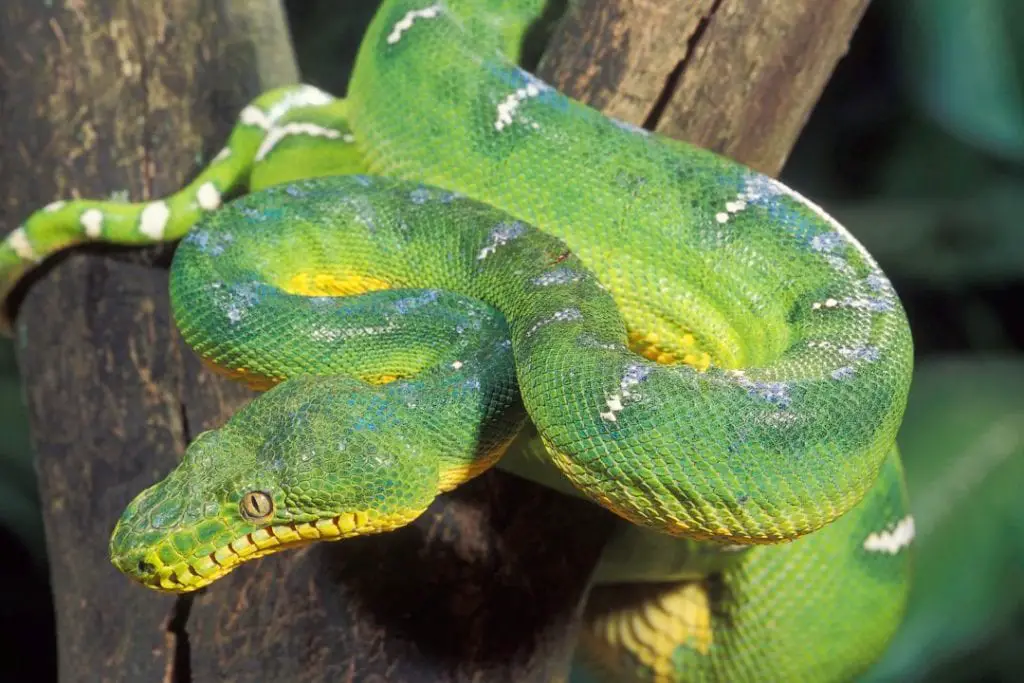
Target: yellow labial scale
243,547
263,539
205,567
327,527
346,524
314,283
224,556
390,522
286,533
261,542
307,531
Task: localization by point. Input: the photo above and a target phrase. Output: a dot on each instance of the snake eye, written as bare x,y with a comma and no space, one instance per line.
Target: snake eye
256,506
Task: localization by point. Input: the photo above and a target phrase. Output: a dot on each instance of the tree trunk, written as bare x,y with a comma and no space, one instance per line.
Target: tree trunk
126,98
739,77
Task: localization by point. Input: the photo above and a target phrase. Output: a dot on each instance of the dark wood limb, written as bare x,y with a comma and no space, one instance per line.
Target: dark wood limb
739,77
126,97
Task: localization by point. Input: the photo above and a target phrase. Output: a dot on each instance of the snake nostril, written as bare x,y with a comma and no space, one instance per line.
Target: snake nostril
146,567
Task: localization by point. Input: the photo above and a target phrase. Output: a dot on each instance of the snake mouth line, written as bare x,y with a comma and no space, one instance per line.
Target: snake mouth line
192,574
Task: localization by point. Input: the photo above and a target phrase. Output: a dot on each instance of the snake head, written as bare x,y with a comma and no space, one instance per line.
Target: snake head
309,460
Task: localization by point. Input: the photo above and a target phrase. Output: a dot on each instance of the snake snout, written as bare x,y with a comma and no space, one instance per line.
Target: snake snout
134,563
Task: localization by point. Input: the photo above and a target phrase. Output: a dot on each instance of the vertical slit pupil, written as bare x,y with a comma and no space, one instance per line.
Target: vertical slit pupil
257,504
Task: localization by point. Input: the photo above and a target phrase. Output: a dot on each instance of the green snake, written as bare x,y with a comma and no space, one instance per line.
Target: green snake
455,250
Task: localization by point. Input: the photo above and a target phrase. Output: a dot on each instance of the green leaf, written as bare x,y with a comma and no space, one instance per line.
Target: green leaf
963,449
963,66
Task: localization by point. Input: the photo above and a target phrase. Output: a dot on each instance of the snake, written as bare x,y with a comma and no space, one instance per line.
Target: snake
455,254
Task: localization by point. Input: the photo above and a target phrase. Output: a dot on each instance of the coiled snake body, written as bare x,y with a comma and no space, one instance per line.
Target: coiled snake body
701,351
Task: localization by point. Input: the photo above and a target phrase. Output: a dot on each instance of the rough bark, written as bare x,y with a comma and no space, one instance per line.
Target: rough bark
739,77
128,98
113,98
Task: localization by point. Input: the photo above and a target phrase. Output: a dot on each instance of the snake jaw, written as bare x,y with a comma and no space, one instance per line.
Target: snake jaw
192,573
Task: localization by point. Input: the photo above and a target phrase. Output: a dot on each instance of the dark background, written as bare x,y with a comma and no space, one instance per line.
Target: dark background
917,146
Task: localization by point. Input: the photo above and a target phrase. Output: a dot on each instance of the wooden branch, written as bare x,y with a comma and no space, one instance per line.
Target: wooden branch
487,585
109,98
739,77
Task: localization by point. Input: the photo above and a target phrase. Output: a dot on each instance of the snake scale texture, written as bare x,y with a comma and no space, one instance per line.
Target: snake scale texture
456,249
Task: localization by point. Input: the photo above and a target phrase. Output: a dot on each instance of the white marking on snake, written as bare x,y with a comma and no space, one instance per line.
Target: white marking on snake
406,22
18,239
222,155
845,372
457,365
153,220
306,96
827,303
332,334
893,540
254,116
875,305
208,197
564,315
501,234
634,375
92,221
559,276
614,403
775,393
865,352
759,186
54,206
278,133
508,107
732,207
870,295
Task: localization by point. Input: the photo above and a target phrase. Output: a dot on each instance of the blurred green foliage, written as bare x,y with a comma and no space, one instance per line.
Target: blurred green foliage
918,147
963,445
964,64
